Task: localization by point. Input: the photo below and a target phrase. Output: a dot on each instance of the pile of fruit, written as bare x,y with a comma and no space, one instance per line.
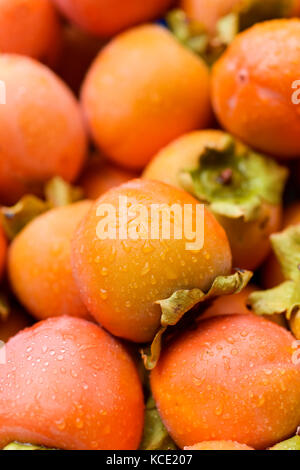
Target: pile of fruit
115,336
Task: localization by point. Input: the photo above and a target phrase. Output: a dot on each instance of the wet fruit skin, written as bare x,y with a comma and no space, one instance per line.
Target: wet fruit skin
219,445
249,241
30,27
252,92
106,18
41,129
39,263
99,176
3,249
69,385
271,271
119,280
146,99
231,378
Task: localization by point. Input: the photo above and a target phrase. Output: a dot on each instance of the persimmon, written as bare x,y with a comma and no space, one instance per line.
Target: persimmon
30,27
3,248
223,173
41,129
39,263
230,378
146,100
271,273
106,18
100,175
218,445
121,279
252,90
68,384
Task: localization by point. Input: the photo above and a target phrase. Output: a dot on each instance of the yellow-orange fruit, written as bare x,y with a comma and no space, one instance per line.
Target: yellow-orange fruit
230,378
218,445
249,241
136,98
271,273
120,279
252,90
99,176
106,18
41,129
78,387
39,263
30,27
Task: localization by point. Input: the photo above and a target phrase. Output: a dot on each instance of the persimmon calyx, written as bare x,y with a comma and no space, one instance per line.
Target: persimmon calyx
57,193
284,298
290,444
182,301
234,180
155,436
21,446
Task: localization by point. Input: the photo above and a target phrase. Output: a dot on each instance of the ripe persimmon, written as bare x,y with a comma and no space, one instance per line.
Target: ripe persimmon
252,87
224,174
100,175
136,97
218,445
30,27
80,389
271,272
106,18
121,279
230,378
41,129
39,263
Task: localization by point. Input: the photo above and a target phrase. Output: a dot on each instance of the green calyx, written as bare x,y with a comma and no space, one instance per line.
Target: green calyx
284,298
289,444
20,446
182,301
57,193
155,436
235,181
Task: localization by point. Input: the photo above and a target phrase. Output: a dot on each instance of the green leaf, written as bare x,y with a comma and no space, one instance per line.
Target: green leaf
235,181
284,298
155,436
19,446
290,444
182,301
60,193
286,246
228,28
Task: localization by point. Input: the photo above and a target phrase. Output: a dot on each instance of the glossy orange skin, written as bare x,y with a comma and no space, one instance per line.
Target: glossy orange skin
69,385
231,378
41,129
252,87
249,241
219,445
271,273
39,263
99,176
30,27
106,18
146,99
3,248
16,321
120,280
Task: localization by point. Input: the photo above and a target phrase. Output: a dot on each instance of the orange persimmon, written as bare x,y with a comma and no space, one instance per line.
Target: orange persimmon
218,445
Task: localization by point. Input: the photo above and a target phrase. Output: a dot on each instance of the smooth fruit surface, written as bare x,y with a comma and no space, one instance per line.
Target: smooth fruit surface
39,263
231,378
219,445
41,128
69,385
136,97
120,279
252,87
